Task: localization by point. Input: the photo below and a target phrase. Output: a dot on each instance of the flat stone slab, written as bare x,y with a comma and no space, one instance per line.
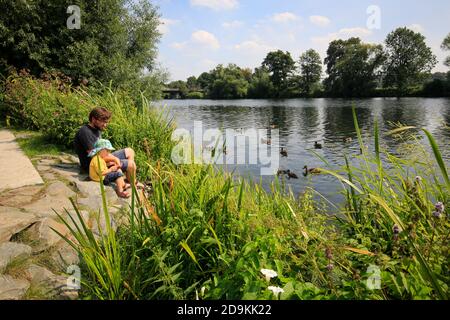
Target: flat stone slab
12,221
10,251
12,289
42,234
20,171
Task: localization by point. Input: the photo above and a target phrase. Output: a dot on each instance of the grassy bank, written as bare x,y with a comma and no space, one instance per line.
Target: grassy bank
207,234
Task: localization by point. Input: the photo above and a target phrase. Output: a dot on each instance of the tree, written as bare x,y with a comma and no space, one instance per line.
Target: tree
310,70
408,59
228,82
191,83
260,85
446,46
117,39
204,80
280,65
352,67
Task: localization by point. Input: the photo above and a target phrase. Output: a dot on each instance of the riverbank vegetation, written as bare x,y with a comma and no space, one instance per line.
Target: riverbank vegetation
206,234
353,69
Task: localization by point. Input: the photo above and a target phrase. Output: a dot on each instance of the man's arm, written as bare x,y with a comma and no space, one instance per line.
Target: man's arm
110,158
109,170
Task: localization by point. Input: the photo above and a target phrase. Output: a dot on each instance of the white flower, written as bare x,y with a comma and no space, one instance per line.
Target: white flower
269,274
276,290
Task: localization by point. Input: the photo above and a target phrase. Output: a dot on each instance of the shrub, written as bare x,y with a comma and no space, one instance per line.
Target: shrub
195,95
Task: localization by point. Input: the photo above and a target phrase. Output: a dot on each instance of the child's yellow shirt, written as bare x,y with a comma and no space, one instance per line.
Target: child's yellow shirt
95,172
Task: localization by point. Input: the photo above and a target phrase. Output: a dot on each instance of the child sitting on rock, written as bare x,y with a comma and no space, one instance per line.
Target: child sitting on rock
98,169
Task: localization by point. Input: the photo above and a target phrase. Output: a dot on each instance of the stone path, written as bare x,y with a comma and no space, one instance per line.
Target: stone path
34,260
17,168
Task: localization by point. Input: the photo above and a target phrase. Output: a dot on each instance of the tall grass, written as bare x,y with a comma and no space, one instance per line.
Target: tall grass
402,193
206,234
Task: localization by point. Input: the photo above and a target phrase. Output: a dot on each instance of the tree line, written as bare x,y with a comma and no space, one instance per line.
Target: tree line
353,68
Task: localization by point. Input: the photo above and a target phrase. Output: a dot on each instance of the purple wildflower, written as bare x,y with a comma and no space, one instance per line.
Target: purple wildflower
439,207
328,253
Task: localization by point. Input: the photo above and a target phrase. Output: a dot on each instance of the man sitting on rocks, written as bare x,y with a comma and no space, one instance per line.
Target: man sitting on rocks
89,133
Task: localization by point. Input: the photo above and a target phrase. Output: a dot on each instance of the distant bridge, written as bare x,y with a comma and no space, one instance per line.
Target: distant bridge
175,93
171,93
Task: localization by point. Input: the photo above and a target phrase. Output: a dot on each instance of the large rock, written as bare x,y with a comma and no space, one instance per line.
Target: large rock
13,221
59,189
99,225
12,289
75,221
19,197
71,173
95,203
91,189
64,255
48,204
42,235
10,251
54,286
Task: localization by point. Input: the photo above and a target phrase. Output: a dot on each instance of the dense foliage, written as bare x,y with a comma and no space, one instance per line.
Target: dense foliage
116,41
352,67
408,59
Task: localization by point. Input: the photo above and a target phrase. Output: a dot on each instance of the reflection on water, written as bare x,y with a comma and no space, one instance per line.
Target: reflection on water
301,122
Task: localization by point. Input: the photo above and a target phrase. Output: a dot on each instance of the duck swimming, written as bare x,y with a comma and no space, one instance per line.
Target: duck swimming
310,171
291,175
283,152
317,145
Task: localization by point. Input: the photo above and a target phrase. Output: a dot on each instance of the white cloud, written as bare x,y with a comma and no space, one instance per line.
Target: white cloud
320,21
164,26
355,32
216,4
344,34
232,24
284,17
416,28
252,46
205,38
178,45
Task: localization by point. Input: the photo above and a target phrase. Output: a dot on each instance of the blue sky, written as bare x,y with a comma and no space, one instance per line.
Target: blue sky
199,34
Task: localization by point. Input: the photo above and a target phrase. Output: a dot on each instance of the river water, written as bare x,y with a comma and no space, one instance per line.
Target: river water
298,123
